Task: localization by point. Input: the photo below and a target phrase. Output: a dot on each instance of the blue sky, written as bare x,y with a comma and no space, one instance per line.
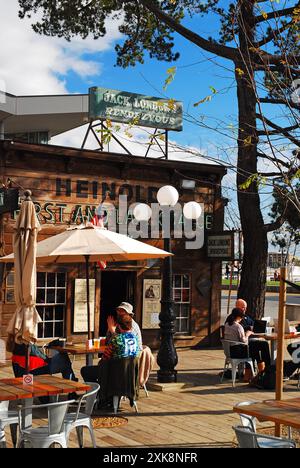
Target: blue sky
191,84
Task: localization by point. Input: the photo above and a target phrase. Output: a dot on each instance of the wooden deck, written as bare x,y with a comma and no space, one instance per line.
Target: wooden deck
198,415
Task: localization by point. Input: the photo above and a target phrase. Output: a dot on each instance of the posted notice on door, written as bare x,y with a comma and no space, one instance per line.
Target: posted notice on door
151,303
80,306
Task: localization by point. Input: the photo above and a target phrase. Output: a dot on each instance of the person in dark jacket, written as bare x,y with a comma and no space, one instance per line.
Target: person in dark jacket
247,322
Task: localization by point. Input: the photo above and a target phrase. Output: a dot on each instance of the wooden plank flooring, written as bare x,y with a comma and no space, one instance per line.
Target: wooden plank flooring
198,415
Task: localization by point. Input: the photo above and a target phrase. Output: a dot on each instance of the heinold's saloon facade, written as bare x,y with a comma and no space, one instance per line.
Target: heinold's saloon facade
68,184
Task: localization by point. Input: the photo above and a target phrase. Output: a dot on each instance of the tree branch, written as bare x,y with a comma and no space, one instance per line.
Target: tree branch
273,160
273,35
280,101
279,129
276,14
280,59
213,47
280,67
278,222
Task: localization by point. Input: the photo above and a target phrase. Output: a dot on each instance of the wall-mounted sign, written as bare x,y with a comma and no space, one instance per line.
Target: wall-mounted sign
64,200
9,200
151,303
80,323
221,246
136,109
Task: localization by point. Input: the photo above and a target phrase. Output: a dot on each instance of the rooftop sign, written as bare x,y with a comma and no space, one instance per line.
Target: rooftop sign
137,109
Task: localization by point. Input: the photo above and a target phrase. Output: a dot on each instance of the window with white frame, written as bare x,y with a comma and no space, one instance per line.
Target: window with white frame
9,288
182,302
51,304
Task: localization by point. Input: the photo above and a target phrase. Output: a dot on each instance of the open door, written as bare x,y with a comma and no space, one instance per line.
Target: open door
116,287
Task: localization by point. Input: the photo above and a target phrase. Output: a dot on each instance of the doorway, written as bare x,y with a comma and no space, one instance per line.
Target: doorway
116,287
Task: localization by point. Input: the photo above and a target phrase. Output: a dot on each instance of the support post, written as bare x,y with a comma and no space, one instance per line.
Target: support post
280,341
230,288
167,358
1,129
87,275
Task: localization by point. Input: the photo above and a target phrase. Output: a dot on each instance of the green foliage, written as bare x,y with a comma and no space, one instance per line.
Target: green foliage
207,98
171,72
280,206
142,29
257,179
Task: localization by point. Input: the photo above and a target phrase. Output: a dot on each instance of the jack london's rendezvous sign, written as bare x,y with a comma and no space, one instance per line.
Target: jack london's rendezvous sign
124,107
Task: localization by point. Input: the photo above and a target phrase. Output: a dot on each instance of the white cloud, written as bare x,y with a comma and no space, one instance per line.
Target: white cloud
33,64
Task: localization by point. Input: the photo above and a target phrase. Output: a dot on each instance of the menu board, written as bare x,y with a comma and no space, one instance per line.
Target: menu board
151,303
80,324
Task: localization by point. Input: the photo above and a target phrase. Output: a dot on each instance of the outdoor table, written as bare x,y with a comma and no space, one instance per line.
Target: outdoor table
282,412
80,349
273,340
43,385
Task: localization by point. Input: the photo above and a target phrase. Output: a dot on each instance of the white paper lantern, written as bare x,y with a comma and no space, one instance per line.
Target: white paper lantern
167,196
142,212
192,210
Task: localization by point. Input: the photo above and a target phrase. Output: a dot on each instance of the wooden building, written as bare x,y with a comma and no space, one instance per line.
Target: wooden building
67,184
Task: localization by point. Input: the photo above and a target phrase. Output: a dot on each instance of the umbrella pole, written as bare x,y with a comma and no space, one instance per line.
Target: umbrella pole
27,359
87,259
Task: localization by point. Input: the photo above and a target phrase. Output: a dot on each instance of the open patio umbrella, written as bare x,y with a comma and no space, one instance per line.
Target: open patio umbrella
92,244
22,327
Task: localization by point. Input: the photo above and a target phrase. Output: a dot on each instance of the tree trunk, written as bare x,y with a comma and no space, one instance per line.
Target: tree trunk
254,269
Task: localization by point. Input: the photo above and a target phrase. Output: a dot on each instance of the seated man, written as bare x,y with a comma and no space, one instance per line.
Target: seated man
247,322
39,363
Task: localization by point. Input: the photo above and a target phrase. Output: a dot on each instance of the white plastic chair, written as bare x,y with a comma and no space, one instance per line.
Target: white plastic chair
79,420
248,439
234,362
45,436
8,418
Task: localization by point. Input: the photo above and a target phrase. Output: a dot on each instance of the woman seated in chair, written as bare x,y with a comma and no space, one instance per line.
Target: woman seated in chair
120,358
258,349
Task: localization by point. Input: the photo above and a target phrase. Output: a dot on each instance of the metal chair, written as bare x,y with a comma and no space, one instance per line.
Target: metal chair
119,378
250,421
116,402
246,420
8,418
79,420
248,439
234,362
45,436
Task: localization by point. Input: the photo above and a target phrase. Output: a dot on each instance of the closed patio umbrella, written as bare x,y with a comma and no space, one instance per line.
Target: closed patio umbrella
92,244
22,327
